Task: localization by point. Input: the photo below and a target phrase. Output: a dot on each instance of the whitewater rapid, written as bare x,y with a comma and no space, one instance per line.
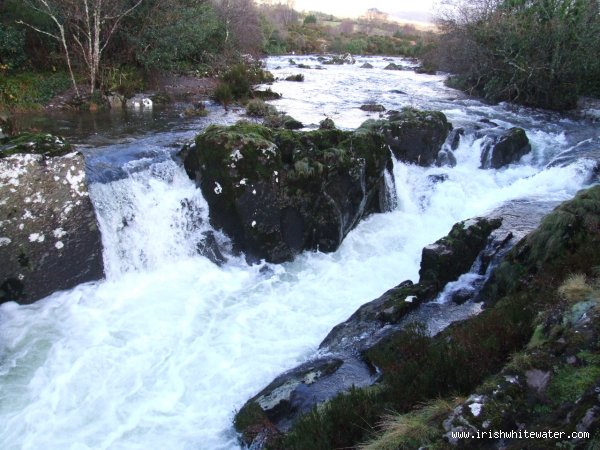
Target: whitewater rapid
163,352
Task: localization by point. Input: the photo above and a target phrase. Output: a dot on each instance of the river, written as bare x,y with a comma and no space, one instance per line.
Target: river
162,352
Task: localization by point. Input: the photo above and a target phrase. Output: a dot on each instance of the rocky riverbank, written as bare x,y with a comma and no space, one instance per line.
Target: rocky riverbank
538,334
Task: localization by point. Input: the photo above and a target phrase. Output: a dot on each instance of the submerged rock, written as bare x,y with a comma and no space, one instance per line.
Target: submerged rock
49,237
278,192
413,136
505,149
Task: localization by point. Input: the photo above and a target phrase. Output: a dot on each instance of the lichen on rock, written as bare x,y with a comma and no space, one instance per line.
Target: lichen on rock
49,238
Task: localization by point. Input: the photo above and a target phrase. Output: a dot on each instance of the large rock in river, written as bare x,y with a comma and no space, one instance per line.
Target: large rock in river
49,238
448,258
413,136
505,149
278,192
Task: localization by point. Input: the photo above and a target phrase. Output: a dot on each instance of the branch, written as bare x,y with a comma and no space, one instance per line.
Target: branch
20,22
118,19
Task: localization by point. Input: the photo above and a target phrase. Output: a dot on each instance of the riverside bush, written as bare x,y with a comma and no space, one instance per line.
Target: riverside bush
534,53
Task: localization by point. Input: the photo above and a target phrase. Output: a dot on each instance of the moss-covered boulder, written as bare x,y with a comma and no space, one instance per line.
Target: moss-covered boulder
49,238
279,192
413,136
505,149
448,258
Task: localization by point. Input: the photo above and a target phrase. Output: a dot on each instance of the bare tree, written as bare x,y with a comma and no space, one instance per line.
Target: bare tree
242,24
54,12
85,26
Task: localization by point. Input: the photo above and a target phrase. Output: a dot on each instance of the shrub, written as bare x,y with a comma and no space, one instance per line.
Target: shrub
575,288
535,53
12,47
223,93
236,83
258,108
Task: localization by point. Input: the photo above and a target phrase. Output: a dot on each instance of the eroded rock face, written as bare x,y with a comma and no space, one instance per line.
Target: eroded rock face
49,238
413,136
505,149
279,192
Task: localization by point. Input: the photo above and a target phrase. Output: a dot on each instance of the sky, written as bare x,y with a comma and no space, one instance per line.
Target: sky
354,8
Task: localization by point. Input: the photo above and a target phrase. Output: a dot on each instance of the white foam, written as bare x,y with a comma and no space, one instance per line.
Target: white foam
162,353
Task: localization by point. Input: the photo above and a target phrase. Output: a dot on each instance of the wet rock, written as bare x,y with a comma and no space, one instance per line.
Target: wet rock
49,237
367,325
298,78
437,178
267,94
454,137
372,107
139,101
282,121
278,192
340,59
366,66
506,149
299,390
209,248
445,158
537,379
588,149
116,101
394,66
398,91
413,136
448,258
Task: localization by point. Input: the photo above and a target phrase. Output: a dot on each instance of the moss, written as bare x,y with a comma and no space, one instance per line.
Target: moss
38,143
569,383
250,421
567,241
258,108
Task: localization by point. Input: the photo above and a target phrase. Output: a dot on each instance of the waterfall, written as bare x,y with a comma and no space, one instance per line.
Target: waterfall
162,352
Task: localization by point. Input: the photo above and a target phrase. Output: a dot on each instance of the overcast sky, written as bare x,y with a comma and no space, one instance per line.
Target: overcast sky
353,8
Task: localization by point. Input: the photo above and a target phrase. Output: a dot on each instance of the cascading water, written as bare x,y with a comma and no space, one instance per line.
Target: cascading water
162,352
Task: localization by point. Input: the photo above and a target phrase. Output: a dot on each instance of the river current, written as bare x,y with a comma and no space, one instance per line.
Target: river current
162,352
